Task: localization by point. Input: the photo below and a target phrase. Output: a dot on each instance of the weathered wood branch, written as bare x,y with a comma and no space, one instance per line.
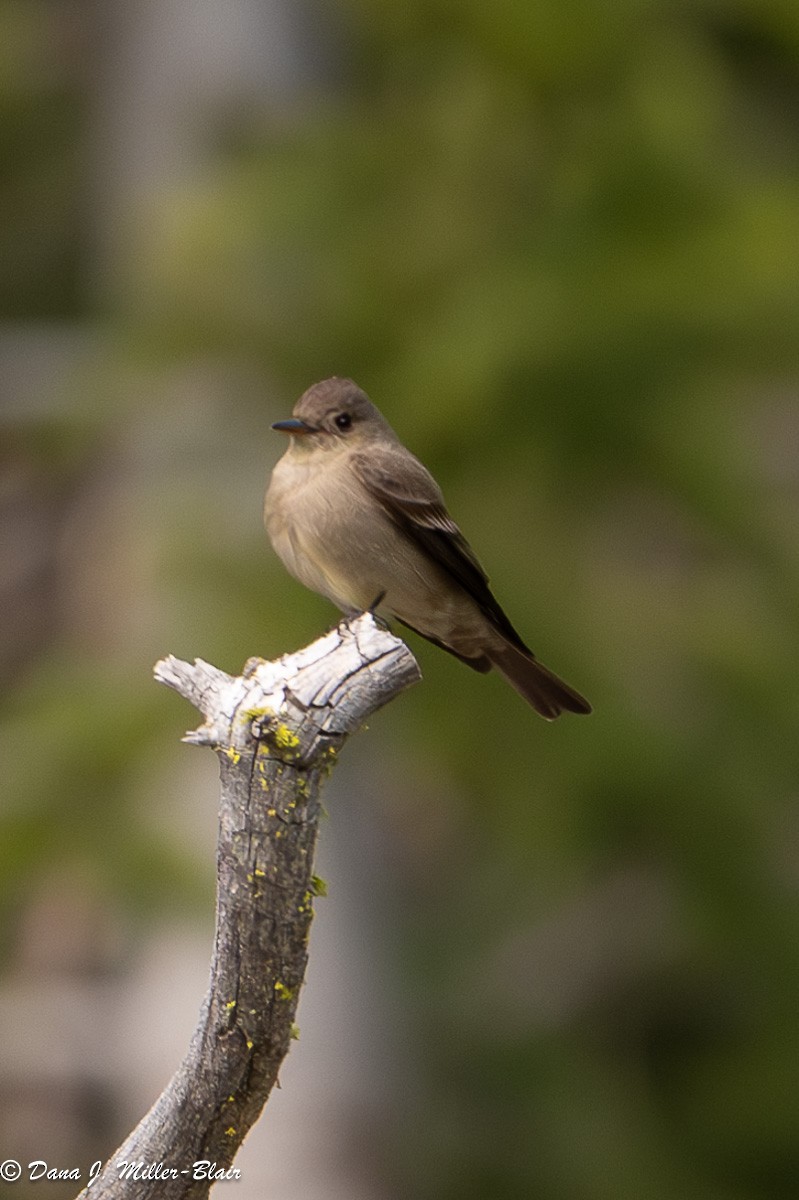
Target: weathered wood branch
277,729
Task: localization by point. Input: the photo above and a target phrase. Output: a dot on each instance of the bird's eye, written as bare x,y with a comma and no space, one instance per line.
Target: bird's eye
344,421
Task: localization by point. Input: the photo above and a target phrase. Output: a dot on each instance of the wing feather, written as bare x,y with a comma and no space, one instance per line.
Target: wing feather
412,499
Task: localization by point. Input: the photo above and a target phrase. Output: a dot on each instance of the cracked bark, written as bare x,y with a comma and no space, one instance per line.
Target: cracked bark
277,730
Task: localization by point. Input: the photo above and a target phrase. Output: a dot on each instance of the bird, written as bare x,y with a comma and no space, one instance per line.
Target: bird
356,517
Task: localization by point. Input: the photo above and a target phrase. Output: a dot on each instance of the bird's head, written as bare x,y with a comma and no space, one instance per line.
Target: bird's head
332,414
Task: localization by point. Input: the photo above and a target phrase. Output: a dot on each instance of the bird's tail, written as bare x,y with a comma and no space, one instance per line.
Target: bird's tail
547,694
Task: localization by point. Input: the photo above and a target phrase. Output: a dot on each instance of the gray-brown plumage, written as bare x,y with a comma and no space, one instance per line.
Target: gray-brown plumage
353,515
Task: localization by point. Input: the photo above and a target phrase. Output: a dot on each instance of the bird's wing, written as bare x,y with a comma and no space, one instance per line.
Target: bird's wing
413,500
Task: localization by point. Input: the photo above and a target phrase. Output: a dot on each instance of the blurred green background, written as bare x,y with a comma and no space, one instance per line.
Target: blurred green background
557,244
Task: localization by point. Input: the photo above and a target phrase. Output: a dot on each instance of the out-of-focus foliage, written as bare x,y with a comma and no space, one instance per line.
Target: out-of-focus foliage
42,122
556,243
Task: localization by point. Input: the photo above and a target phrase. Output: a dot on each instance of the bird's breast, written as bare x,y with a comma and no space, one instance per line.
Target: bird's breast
337,539
317,519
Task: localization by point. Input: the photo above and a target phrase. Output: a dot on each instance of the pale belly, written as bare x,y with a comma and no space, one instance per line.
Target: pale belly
336,540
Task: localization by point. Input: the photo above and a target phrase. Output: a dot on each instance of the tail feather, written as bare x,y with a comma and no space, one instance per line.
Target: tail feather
539,686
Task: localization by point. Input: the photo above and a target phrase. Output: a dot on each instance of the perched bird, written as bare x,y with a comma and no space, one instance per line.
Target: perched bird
353,515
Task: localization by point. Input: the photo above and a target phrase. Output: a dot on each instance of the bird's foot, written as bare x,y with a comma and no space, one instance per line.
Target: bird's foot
372,610
352,614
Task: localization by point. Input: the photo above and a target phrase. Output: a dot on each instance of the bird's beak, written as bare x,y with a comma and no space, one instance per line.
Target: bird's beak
293,425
